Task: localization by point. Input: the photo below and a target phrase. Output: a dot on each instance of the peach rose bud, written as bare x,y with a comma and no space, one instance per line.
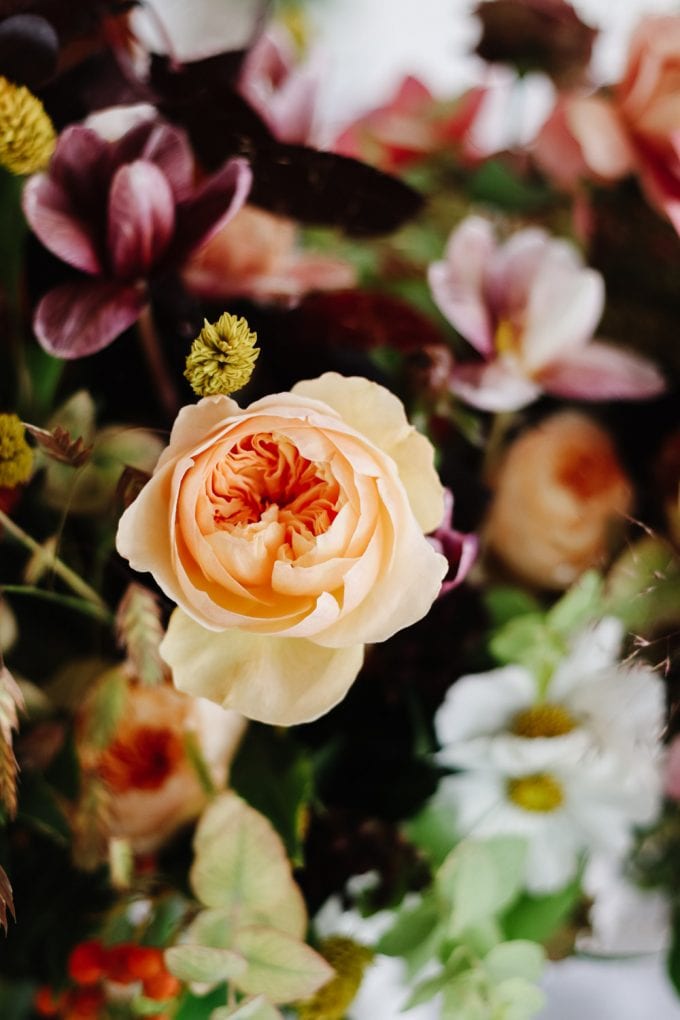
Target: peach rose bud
558,495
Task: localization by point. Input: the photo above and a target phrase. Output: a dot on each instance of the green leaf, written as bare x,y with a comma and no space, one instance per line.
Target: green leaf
252,1009
426,989
433,830
412,927
280,967
105,708
199,1007
480,878
581,604
519,958
167,916
517,999
643,587
527,641
215,927
496,184
505,603
38,808
276,777
240,864
538,917
204,964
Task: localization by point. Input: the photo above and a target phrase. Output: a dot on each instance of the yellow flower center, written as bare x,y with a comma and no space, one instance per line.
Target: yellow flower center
27,137
349,961
16,456
222,357
540,792
543,721
507,337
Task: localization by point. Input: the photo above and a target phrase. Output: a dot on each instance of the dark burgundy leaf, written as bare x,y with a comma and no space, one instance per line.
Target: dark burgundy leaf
59,445
364,319
292,180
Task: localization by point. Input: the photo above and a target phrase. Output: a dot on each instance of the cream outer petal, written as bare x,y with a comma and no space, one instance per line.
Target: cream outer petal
380,416
281,681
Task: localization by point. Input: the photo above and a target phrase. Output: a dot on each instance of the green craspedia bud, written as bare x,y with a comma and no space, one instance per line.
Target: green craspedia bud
349,961
222,357
16,456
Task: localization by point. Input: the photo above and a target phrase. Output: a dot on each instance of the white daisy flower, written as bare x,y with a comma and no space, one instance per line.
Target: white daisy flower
571,769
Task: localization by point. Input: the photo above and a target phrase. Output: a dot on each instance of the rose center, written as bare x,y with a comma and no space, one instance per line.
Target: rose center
265,471
540,792
543,721
141,759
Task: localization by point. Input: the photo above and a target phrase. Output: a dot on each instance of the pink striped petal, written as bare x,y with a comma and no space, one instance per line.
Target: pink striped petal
141,218
457,283
51,216
603,372
81,318
213,204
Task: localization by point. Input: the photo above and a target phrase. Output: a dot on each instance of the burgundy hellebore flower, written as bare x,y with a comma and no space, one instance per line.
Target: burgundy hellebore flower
120,212
459,548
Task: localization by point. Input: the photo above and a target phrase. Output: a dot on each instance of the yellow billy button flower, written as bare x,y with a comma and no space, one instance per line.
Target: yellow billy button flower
16,456
349,961
27,136
543,721
540,792
222,357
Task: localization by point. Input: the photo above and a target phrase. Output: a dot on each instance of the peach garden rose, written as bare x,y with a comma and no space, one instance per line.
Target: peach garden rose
290,533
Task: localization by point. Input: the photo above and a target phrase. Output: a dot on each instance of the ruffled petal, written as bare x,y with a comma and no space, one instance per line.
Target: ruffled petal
280,681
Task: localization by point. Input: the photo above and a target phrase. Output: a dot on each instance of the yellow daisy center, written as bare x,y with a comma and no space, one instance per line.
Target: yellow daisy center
543,721
540,792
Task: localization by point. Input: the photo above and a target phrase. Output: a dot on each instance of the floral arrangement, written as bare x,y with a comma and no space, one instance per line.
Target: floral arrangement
282,735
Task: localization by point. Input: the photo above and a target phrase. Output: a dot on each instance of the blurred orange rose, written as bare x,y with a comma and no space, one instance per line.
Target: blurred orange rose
557,494
146,768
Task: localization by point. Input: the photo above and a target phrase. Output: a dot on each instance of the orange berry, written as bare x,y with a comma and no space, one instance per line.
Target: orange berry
117,964
84,1004
45,1003
86,963
162,986
145,962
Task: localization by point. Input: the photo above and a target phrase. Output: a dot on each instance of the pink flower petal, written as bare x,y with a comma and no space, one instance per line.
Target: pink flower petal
141,218
81,318
497,386
217,200
169,149
602,136
457,283
565,306
49,211
513,270
602,372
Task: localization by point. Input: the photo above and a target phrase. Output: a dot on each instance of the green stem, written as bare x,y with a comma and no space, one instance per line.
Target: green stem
158,368
495,442
68,601
53,563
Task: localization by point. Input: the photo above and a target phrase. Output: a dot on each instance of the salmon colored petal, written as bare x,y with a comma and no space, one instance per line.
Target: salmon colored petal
602,136
78,319
380,416
280,681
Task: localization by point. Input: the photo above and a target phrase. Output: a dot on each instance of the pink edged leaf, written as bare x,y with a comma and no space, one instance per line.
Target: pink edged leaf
51,216
457,282
213,204
141,218
81,318
497,386
603,372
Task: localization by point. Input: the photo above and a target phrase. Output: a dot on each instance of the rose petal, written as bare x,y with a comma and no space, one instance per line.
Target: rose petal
217,200
141,218
602,372
50,213
78,319
457,283
280,681
380,416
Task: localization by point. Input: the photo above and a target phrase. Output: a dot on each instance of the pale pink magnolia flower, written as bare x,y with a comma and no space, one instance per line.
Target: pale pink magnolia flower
529,307
283,90
636,129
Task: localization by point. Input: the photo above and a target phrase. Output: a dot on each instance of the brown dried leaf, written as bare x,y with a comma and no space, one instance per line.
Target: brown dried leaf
11,701
92,823
6,900
59,445
140,632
